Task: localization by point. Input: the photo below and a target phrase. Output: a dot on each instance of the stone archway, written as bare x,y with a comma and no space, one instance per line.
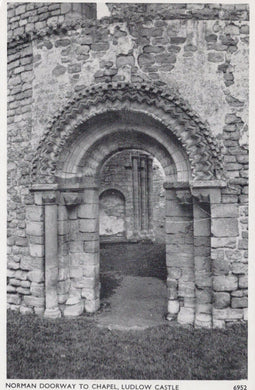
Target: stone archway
96,124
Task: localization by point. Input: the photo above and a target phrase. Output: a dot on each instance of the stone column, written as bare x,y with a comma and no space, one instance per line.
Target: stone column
88,214
144,193
51,256
150,192
202,260
136,197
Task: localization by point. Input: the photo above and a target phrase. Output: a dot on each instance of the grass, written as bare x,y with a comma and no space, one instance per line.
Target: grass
38,348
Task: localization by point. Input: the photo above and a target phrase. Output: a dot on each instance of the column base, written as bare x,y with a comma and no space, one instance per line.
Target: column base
52,313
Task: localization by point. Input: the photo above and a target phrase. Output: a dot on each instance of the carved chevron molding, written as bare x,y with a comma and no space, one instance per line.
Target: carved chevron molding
195,137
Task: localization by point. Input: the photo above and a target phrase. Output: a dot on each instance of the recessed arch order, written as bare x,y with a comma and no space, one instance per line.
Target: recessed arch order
104,119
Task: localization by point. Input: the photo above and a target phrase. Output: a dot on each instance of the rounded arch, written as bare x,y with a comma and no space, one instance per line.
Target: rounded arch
112,190
144,108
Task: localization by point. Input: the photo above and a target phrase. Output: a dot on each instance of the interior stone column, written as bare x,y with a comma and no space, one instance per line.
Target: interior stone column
51,256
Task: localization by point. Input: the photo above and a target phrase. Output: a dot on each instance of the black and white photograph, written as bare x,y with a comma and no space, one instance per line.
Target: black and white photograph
127,195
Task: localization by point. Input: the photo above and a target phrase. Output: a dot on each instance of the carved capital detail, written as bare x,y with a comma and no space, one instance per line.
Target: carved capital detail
184,196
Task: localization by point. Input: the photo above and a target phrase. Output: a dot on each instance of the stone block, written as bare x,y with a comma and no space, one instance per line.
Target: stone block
202,264
76,272
64,286
35,228
187,275
26,310
36,250
202,227
13,299
179,260
225,283
39,311
91,306
243,281
86,282
218,242
173,306
32,301
180,227
76,259
30,263
90,271
91,258
203,280
221,300
35,276
91,246
227,314
190,302
73,300
174,272
91,294
245,314
218,324
204,308
239,268
21,275
224,227
220,267
186,316
243,244
90,196
37,289
224,210
74,310
35,213
75,247
88,211
88,225
239,302
203,320
186,289
23,290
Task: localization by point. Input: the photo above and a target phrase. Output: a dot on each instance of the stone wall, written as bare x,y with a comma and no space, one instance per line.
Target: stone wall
200,51
117,174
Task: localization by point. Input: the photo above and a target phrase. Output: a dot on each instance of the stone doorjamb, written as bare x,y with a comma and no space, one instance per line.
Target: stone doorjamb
84,278
192,304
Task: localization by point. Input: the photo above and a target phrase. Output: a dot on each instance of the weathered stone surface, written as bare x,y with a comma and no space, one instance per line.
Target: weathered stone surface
224,227
91,306
186,316
35,213
225,283
220,267
26,310
243,281
221,300
224,210
218,242
13,299
239,302
35,228
36,250
227,314
173,306
88,225
74,310
31,301
35,276
239,268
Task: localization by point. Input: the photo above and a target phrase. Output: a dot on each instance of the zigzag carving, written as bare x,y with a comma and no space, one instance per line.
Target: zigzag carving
202,149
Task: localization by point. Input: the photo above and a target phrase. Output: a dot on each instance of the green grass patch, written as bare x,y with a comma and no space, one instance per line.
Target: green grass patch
38,348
